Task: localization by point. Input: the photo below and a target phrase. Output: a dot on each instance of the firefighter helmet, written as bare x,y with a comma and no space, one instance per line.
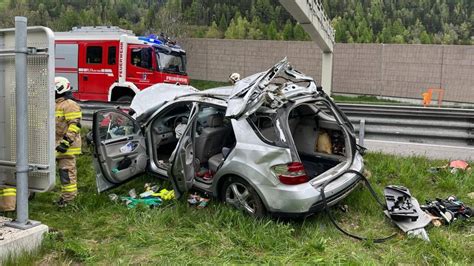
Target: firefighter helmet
62,85
234,77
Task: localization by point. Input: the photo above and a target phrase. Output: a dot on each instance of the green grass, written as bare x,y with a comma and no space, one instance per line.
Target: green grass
97,231
207,84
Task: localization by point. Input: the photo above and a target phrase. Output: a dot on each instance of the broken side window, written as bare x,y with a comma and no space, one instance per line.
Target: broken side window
269,128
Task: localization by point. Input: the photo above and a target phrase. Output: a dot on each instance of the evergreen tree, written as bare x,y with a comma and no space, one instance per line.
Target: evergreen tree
387,21
223,23
299,33
288,31
214,31
237,28
272,33
425,38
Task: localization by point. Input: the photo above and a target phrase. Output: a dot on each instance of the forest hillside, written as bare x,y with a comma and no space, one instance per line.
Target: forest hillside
355,21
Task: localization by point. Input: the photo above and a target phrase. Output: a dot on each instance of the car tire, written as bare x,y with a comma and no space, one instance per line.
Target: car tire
240,194
125,99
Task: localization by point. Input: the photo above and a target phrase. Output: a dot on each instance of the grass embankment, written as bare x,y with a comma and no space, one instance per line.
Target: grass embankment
362,99
97,231
207,84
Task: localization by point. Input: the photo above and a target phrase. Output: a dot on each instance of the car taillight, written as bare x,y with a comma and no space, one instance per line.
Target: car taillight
291,174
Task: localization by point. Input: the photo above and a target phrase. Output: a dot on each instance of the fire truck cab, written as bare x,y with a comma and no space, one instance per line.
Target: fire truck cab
112,64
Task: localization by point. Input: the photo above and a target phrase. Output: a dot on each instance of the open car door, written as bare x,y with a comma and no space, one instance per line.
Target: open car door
119,148
182,170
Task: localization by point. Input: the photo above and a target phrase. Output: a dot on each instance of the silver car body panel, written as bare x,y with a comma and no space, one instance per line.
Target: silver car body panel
156,96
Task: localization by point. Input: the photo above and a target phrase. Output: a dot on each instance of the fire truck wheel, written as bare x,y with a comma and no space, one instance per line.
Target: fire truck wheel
125,99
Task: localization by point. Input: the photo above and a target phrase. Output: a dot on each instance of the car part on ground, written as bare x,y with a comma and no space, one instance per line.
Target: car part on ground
405,211
448,210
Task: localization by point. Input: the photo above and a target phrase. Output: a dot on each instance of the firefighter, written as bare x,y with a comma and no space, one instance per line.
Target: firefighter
7,199
68,139
234,77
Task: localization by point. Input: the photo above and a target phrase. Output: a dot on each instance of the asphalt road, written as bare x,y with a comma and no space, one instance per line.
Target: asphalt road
431,151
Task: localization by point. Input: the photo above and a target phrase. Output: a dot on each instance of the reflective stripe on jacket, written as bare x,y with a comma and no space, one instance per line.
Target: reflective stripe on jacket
68,119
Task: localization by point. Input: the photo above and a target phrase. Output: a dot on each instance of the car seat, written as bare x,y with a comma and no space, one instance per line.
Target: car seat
212,138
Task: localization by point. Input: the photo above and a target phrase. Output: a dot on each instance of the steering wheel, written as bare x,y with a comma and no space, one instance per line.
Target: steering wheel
178,120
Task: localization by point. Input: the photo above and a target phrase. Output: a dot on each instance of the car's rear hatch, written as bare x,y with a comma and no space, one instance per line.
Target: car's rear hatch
287,109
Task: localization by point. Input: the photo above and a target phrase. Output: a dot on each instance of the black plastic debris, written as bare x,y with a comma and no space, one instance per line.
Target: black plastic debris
405,212
448,210
399,203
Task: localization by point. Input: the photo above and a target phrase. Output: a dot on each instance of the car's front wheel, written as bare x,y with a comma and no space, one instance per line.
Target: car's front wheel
240,194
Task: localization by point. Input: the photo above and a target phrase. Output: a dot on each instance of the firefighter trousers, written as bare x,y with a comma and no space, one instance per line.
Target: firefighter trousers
7,199
68,177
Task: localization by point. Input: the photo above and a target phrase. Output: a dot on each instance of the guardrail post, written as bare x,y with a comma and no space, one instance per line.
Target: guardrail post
362,132
21,93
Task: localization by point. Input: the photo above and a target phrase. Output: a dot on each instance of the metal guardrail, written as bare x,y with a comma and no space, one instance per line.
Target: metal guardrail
446,126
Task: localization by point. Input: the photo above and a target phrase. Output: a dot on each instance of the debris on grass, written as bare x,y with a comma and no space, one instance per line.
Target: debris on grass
454,167
132,203
405,212
201,202
447,210
132,193
458,165
114,197
150,197
166,194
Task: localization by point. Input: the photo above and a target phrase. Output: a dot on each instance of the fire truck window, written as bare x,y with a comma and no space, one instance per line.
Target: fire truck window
94,55
170,62
112,55
141,57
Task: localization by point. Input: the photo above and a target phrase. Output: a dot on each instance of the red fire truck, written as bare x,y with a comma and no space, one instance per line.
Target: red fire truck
112,64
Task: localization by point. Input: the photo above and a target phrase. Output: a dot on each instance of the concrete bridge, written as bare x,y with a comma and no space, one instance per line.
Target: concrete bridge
311,15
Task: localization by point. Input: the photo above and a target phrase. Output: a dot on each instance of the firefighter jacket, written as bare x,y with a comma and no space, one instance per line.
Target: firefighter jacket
68,126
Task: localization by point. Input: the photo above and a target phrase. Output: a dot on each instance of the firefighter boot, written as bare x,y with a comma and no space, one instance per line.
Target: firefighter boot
68,177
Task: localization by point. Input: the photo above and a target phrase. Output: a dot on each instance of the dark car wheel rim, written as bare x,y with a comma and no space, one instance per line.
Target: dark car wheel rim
239,196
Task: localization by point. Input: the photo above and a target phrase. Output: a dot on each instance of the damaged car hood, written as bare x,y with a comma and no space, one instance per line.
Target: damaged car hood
268,91
147,101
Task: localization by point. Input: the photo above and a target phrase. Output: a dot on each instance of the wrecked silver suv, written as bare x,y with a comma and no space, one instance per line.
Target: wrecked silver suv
266,144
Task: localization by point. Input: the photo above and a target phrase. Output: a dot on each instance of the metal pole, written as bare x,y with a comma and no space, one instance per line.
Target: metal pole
362,132
21,92
21,120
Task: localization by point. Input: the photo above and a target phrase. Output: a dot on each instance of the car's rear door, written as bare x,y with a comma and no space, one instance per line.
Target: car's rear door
119,148
182,170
